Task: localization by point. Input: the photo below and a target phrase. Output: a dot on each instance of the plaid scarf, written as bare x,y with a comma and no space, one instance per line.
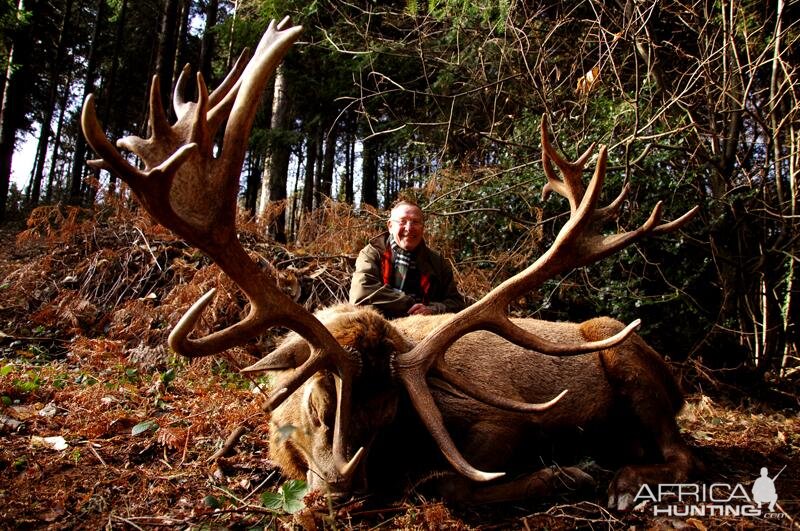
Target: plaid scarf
403,262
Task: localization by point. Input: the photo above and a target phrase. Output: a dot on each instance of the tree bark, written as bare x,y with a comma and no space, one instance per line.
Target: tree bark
311,164
329,157
255,169
48,195
52,96
12,113
79,156
165,58
208,43
369,174
276,165
182,23
111,86
346,193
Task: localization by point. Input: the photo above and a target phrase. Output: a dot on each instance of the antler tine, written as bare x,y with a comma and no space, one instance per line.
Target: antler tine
611,211
179,102
150,186
230,84
110,159
154,150
468,387
421,398
273,45
200,132
676,224
577,244
158,117
221,99
344,395
571,186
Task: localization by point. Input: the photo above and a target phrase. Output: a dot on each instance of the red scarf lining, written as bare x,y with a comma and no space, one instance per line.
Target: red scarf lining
387,269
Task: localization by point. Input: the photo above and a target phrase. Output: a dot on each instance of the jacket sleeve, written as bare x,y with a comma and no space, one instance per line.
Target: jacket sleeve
367,287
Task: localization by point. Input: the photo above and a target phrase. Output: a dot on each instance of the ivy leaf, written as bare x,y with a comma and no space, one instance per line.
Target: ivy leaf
272,501
288,499
294,491
143,427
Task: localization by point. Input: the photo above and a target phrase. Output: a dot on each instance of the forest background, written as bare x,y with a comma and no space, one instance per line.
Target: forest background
436,101
697,101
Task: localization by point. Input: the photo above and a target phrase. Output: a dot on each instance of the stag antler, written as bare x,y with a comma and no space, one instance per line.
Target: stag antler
579,243
186,189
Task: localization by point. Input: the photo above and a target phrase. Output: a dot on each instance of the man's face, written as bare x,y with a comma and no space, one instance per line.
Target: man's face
405,224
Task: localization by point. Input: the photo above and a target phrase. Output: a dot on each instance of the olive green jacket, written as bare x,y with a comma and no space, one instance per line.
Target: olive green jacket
368,288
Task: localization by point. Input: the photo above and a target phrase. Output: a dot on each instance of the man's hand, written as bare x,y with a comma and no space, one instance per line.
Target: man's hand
420,309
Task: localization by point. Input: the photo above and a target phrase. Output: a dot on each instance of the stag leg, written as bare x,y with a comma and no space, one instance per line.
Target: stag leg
679,466
543,483
633,369
491,443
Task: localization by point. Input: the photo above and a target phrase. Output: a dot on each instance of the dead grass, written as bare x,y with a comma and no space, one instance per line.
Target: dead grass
88,299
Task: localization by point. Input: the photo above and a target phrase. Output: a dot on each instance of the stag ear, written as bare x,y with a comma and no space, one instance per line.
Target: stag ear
317,405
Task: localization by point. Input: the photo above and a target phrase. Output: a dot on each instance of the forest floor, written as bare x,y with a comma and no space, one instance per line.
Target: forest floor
100,427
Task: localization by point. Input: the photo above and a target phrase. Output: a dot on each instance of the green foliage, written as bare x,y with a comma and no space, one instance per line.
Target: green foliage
288,498
144,427
450,94
231,377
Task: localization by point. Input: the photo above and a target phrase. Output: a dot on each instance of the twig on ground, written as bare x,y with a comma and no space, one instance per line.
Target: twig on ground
229,443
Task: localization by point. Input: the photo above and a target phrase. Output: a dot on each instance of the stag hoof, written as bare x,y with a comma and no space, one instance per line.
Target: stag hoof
621,491
621,502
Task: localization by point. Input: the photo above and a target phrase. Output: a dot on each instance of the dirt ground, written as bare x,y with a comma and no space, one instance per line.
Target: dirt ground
99,429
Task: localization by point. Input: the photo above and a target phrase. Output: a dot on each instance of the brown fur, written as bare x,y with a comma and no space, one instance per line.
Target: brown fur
626,393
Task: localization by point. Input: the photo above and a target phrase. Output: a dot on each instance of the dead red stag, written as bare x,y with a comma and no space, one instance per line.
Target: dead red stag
489,390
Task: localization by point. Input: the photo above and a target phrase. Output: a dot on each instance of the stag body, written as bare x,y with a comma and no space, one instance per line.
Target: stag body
348,371
623,396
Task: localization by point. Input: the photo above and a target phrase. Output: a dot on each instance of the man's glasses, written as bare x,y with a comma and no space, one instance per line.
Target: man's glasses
407,222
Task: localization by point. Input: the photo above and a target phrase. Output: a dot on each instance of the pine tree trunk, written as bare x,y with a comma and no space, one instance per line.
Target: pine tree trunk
346,185
12,113
208,43
110,87
182,22
44,135
255,165
326,177
311,164
165,59
48,195
276,163
369,174
234,17
79,156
